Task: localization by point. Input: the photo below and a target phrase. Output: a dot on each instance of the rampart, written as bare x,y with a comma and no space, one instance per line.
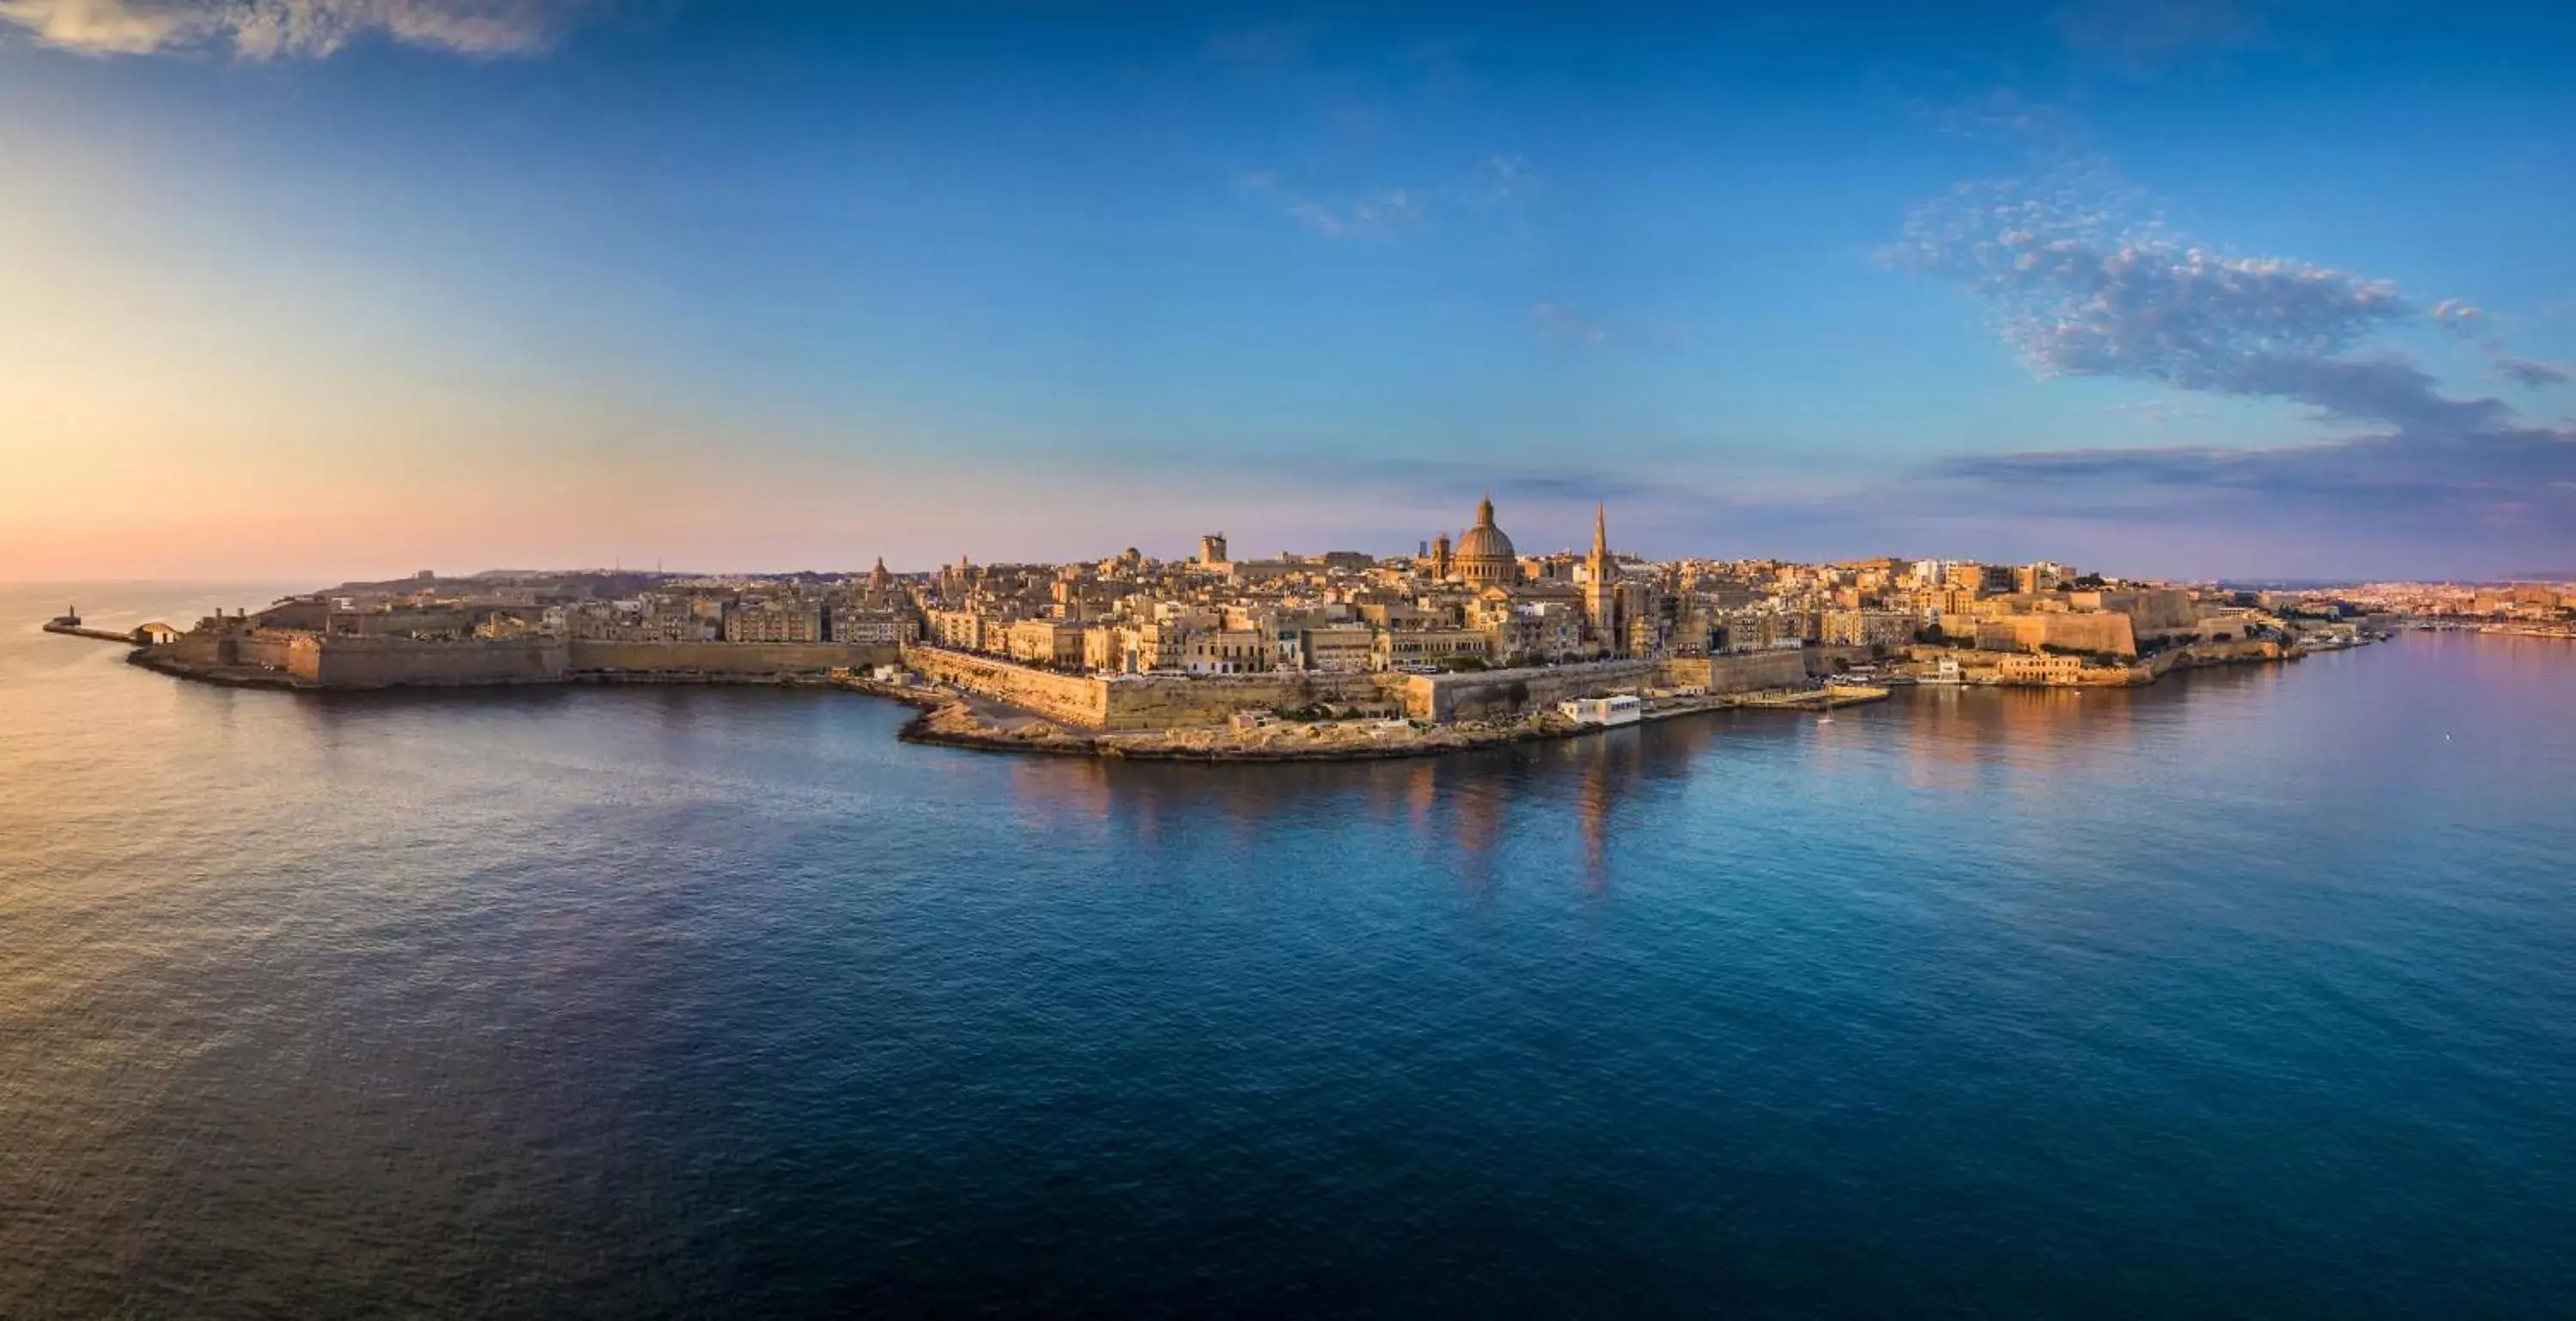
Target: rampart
729,660
1152,701
1069,698
1172,701
317,661
307,659
1748,671
1500,694
267,647
2098,630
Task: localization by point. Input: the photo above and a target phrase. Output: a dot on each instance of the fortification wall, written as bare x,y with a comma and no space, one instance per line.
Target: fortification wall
1741,673
1067,698
2084,631
725,659
192,648
259,648
1500,694
2163,610
1171,701
1136,702
383,662
1133,702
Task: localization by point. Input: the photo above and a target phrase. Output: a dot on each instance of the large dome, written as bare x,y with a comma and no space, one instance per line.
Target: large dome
1485,541
1485,555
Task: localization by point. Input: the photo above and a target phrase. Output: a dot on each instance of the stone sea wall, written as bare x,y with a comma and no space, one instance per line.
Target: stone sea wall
1499,694
723,659
268,648
1072,699
2097,631
386,662
1751,671
1176,701
1160,701
303,659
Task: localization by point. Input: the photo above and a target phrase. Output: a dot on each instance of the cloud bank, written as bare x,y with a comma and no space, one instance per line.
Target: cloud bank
2082,289
294,29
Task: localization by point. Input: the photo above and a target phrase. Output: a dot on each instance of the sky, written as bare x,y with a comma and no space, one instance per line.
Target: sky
2192,288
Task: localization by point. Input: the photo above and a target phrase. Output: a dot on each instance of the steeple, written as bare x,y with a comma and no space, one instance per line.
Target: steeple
1601,600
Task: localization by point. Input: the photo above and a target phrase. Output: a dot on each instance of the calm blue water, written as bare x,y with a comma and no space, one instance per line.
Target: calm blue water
2252,994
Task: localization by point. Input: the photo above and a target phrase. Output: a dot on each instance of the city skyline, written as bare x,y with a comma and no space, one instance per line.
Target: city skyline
334,288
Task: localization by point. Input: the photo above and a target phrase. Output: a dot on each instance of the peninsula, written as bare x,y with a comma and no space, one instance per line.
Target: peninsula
1465,642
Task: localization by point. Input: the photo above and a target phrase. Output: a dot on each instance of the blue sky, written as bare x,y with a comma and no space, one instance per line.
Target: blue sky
2191,288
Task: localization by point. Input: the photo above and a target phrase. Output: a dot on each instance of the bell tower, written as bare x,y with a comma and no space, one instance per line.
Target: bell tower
1602,600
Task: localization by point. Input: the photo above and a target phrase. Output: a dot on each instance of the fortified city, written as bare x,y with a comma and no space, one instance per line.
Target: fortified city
1467,642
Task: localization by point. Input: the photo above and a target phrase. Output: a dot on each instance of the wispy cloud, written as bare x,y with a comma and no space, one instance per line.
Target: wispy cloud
1508,178
2079,277
1382,214
1570,326
2533,372
284,29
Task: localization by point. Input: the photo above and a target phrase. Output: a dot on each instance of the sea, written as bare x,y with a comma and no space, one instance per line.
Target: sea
2251,994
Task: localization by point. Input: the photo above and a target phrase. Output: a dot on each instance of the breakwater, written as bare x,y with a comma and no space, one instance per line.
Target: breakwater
84,631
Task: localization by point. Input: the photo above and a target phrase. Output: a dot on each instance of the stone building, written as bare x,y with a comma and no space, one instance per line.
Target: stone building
2054,670
1227,651
1045,641
864,625
771,620
1868,628
1426,646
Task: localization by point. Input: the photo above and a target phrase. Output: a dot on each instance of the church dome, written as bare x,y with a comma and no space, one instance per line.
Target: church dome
1485,541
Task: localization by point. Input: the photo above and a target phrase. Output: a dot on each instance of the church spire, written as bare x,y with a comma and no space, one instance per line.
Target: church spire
1601,530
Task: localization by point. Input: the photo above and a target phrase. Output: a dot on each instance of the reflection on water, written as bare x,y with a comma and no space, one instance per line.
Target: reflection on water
675,1001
